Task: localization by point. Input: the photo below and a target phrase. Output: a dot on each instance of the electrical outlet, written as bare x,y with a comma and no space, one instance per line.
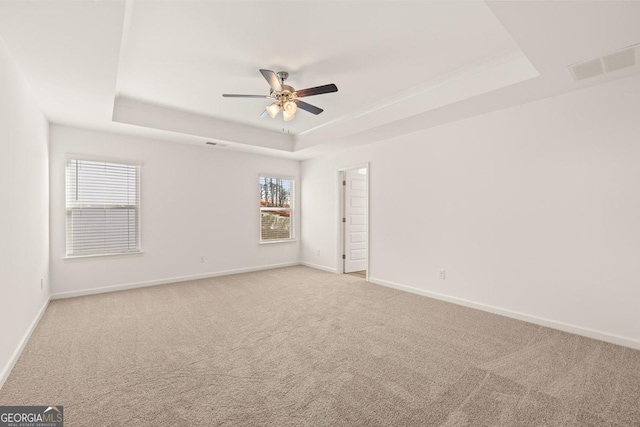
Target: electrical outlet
201,259
442,274
318,253
41,283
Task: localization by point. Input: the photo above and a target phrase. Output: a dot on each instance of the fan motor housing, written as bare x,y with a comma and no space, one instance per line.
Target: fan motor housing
285,94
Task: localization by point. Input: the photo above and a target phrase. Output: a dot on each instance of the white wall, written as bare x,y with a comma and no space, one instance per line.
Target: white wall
533,209
195,200
24,215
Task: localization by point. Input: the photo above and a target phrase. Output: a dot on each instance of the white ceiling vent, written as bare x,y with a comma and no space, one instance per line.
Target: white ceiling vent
624,58
584,70
217,144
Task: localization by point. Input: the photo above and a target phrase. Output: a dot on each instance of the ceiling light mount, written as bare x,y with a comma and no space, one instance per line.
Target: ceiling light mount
282,75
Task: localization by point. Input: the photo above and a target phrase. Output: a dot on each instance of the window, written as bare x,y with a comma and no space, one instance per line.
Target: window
276,208
103,208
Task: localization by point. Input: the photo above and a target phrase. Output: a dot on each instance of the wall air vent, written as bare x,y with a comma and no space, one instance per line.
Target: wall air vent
624,58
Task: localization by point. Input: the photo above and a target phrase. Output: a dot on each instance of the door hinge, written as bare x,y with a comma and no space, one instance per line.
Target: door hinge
344,182
344,219
344,256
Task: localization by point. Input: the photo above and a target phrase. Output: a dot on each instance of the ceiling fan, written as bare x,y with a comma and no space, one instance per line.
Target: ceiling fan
285,97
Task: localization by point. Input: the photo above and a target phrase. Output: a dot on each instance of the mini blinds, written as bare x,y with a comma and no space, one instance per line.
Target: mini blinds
276,208
103,207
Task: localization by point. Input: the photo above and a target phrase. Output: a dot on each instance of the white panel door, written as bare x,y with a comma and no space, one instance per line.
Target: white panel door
355,230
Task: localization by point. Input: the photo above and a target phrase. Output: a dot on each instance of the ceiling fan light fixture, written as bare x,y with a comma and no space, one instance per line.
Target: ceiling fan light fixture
287,116
290,107
273,109
286,97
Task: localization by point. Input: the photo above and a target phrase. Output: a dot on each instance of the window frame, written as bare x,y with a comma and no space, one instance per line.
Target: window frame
291,208
138,206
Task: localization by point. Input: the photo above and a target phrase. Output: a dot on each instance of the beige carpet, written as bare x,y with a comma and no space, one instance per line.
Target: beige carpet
297,346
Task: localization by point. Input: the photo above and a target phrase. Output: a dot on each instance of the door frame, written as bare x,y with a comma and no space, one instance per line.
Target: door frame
341,209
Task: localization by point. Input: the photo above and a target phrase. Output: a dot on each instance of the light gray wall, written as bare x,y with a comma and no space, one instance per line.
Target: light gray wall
24,215
195,200
533,209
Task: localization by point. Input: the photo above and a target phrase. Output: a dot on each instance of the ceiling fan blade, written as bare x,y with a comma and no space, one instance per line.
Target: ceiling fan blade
308,107
233,95
265,113
319,90
272,79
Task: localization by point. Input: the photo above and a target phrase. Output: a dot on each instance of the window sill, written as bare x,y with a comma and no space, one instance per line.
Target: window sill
270,242
111,255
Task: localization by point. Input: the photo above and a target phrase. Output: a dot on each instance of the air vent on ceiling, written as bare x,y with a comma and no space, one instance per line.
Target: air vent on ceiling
587,69
624,58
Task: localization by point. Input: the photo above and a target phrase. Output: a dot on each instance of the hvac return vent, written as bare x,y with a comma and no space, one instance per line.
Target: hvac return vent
627,57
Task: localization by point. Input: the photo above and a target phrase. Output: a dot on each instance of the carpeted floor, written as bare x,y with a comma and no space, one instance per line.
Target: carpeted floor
298,346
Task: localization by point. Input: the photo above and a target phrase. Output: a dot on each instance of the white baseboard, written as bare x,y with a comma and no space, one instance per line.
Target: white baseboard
578,330
318,267
114,288
23,342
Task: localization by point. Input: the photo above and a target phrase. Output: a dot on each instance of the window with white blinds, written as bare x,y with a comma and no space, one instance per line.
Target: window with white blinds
276,208
103,207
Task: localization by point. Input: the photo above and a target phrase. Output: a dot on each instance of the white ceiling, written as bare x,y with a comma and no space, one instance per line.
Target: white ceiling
158,68
186,54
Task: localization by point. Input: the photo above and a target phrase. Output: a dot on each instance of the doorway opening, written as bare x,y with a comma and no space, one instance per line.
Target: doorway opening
354,220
